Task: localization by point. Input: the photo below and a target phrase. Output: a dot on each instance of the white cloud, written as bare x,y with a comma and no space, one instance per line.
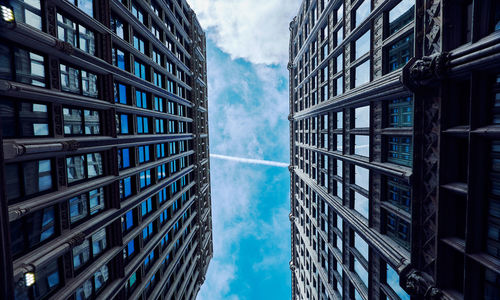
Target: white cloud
255,30
251,161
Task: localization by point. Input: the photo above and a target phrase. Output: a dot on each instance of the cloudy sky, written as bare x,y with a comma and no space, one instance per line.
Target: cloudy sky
247,54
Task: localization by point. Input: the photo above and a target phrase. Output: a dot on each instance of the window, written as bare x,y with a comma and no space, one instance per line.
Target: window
139,44
146,207
149,260
361,204
340,85
361,246
160,126
362,45
157,57
123,158
362,12
160,151
128,223
392,280
84,166
145,178
144,152
87,6
401,15
23,119
398,193
118,57
81,254
162,195
122,124
48,279
362,145
147,232
362,74
81,122
88,204
121,93
137,13
125,188
140,69
142,125
159,104
361,177
28,12
172,148
32,230
340,63
397,229
118,27
29,67
400,112
361,271
89,249
77,35
400,150
400,52
340,36
93,285
362,117
141,99
28,178
78,81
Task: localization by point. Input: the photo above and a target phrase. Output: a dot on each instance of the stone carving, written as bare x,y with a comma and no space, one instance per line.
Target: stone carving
425,71
418,284
64,47
72,145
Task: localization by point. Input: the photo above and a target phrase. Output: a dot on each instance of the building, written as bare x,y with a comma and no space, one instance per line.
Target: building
104,170
394,107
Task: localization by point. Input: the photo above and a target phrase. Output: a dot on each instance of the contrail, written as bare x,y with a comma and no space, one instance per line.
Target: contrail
251,161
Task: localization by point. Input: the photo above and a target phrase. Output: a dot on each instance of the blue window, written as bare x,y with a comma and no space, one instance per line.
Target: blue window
173,188
182,162
158,79
160,128
164,216
159,104
183,181
162,195
183,198
143,154
130,248
401,15
164,242
137,13
149,259
139,44
162,173
127,221
400,52
392,280
398,193
140,70
145,178
362,45
171,126
398,229
171,107
172,148
118,57
146,207
121,93
125,188
173,167
124,158
142,125
87,6
160,150
123,126
147,231
141,99
175,206
362,74
182,146
362,12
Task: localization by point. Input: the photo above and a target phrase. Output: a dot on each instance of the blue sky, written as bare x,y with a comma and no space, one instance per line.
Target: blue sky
247,53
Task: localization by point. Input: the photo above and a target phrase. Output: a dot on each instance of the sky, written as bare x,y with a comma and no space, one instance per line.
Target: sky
247,54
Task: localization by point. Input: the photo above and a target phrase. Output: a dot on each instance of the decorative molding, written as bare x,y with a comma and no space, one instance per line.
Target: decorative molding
427,71
64,47
417,283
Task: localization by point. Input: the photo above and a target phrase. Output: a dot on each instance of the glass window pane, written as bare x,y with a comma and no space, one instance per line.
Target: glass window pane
47,279
85,291
361,204
81,254
34,119
361,271
87,6
393,282
72,121
101,277
92,122
28,11
361,245
362,12
75,168
37,176
362,74
96,200
98,242
94,164
361,177
78,208
362,45
30,67
362,117
362,145
401,15
87,40
400,52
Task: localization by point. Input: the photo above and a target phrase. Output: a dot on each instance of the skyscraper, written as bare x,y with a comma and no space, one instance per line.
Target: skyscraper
394,149
104,170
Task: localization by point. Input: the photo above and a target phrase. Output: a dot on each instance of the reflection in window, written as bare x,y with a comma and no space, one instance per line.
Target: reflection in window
140,69
78,81
401,15
361,271
398,193
86,204
29,67
81,122
398,229
392,280
117,26
362,45
362,74
401,112
141,99
28,11
362,12
362,117
340,145
47,279
340,35
340,63
127,222
400,150
31,230
118,58
361,204
28,178
123,158
84,166
340,85
361,177
98,242
121,94
400,52
75,34
125,188
81,254
122,124
362,145
87,6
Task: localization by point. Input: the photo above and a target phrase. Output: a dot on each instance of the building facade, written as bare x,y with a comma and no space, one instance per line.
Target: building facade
394,149
104,170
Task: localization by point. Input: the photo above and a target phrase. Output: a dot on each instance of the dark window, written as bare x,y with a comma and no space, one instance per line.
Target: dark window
493,218
89,249
147,232
85,205
139,44
400,150
81,122
160,151
400,112
397,229
93,285
137,13
398,193
146,207
28,178
48,279
32,230
400,52
23,119
145,178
